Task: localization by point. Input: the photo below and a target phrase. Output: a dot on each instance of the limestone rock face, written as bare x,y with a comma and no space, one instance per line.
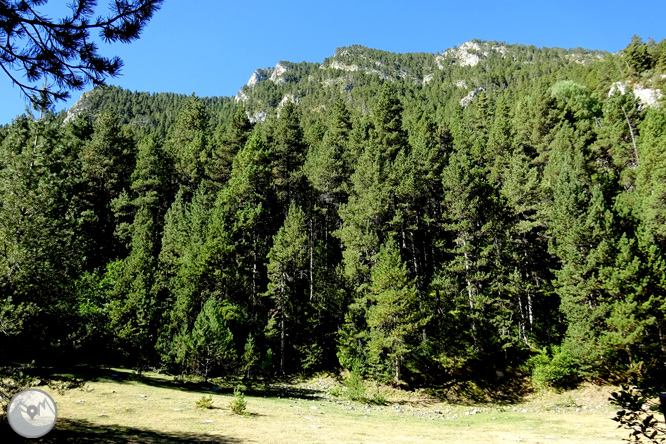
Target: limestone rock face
79,107
288,98
469,97
279,69
258,76
240,97
343,67
468,54
259,116
466,58
648,97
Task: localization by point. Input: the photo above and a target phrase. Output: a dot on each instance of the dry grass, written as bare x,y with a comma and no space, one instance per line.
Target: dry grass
155,409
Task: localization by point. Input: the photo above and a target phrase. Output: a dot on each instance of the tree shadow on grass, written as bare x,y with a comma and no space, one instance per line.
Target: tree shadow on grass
85,432
279,388
509,390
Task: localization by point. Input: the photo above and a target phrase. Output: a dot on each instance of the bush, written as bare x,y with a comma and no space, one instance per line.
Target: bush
238,404
205,403
335,391
554,370
378,397
355,384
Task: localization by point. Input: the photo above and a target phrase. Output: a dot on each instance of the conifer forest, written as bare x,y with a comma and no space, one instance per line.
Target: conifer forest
416,217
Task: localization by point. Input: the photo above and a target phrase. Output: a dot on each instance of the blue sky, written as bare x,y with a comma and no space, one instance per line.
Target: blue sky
211,47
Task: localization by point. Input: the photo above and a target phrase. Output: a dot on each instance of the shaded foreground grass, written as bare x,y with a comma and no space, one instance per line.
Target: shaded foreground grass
116,407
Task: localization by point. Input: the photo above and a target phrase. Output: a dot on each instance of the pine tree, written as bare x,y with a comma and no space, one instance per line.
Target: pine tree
581,240
651,175
529,259
392,315
287,153
188,144
388,136
364,216
637,57
134,307
617,145
42,236
465,207
325,165
183,264
244,206
209,344
651,211
230,142
105,159
286,267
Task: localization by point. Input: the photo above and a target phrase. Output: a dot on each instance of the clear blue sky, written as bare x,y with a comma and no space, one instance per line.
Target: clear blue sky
211,47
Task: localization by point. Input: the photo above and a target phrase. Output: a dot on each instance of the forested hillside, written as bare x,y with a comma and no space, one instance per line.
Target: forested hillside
415,216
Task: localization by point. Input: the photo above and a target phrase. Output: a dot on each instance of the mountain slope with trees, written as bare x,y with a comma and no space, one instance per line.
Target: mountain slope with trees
413,216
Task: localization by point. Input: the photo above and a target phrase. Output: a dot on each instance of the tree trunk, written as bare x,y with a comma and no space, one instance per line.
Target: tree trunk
633,137
283,343
283,335
470,295
311,260
254,269
662,336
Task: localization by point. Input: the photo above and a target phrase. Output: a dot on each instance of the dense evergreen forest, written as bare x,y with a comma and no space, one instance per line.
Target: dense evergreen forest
413,216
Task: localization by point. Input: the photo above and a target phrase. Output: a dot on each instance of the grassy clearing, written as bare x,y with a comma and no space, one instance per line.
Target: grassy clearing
117,407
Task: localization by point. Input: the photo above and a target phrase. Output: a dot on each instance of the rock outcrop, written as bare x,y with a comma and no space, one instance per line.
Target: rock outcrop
79,107
343,67
240,97
278,71
468,54
647,96
469,97
258,76
259,116
288,98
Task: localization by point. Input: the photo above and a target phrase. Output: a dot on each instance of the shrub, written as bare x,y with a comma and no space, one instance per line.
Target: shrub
335,391
355,384
205,403
554,370
238,404
378,397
